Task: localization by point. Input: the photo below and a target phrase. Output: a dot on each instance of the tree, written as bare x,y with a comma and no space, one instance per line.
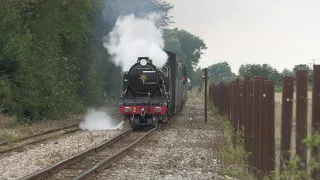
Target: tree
286,72
196,78
221,72
250,70
187,46
303,67
41,47
261,70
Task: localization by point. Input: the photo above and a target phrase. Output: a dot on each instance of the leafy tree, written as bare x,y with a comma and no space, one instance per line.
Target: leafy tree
112,9
40,52
287,72
221,72
188,47
250,70
261,70
196,78
303,67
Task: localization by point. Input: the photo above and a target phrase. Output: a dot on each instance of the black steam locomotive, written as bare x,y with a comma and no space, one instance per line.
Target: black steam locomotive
151,95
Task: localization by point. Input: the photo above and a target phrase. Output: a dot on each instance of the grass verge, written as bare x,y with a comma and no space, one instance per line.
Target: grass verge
232,155
11,129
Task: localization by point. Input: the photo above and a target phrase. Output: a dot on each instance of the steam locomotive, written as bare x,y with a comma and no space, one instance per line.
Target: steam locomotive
151,95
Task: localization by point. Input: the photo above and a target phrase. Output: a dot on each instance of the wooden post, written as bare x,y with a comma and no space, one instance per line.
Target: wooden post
205,92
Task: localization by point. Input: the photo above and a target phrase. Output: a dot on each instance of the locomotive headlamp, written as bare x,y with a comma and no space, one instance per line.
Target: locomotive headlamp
143,62
127,109
157,109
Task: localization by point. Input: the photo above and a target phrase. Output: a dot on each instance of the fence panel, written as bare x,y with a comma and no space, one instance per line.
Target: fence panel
233,105
221,88
245,112
316,98
301,114
316,112
225,110
262,126
256,117
236,106
229,100
250,122
286,117
269,128
239,106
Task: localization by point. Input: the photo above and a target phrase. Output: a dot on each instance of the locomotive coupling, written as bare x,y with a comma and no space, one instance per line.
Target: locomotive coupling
143,112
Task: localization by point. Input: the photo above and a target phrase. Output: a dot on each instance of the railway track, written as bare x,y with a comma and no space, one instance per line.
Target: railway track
17,144
90,162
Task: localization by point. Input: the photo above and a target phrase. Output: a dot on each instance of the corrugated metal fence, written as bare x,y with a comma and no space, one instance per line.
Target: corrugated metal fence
250,104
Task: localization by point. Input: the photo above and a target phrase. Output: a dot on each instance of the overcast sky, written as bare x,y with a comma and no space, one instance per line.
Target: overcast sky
281,34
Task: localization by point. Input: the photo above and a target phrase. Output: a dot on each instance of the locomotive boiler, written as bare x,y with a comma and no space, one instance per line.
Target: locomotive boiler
151,95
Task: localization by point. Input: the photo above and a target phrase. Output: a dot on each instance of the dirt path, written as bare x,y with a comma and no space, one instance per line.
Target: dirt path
185,149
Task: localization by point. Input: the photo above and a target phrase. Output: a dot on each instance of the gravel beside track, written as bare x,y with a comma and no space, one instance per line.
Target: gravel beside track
15,165
20,144
87,163
185,149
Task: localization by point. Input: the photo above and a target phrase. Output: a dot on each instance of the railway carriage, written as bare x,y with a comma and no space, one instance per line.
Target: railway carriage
151,95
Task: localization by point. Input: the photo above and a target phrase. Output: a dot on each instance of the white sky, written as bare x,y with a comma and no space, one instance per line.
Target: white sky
281,33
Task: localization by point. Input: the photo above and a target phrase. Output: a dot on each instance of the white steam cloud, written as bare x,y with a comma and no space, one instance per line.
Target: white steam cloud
134,37
100,120
131,38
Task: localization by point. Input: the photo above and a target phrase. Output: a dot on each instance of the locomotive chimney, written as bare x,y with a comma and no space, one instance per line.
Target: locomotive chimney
146,58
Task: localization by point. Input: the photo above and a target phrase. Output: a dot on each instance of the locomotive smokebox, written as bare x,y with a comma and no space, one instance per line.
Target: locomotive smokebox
143,76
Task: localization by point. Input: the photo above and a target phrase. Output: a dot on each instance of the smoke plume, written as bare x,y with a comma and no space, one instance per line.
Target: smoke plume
134,37
100,120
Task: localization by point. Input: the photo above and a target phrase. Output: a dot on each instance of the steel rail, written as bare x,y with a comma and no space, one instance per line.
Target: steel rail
113,158
39,134
37,141
49,171
42,133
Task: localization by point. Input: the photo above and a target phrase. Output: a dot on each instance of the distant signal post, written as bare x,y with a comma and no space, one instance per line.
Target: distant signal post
205,77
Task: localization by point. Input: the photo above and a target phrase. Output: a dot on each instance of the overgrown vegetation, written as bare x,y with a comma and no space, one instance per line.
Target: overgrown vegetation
231,152
52,60
292,169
